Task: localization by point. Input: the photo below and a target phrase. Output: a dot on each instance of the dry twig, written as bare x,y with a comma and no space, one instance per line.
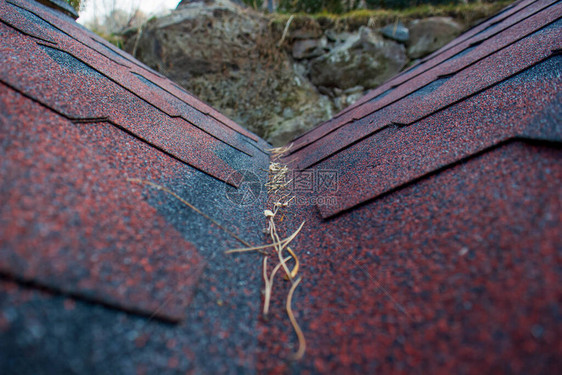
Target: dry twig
277,189
285,30
300,335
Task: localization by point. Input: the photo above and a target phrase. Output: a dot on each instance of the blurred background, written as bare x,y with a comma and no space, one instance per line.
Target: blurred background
279,67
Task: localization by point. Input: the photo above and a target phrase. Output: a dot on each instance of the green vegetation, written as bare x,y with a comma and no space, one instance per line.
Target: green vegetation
346,6
467,12
75,4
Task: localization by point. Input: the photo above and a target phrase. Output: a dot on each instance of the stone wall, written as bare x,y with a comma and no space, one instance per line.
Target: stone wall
281,78
343,65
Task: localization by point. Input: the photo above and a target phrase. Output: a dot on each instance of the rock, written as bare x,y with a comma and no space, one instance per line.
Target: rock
397,32
430,34
288,113
305,118
229,57
334,36
300,69
325,91
225,55
344,98
309,33
365,59
344,101
308,48
354,90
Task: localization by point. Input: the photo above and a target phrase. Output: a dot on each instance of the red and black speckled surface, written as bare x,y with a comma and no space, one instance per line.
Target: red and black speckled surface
437,251
457,273
88,47
77,119
505,111
72,221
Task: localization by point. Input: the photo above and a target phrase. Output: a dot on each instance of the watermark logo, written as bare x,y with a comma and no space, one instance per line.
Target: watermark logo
307,187
316,181
249,188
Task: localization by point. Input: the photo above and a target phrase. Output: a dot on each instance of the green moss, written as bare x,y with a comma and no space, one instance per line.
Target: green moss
116,40
468,13
76,4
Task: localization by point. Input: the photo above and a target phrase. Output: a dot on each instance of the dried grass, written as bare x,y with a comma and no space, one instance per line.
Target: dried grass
302,342
277,188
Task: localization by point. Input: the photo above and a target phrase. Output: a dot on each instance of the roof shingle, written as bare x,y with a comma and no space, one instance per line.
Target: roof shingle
432,236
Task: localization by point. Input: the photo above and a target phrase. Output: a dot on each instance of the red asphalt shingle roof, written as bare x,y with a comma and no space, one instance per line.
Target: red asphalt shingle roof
432,209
